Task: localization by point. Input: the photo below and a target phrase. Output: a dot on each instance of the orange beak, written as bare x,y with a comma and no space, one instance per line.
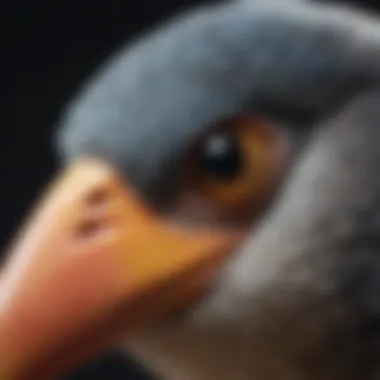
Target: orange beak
93,262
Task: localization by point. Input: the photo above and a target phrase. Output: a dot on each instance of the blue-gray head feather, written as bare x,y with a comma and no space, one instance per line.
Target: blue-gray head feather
148,104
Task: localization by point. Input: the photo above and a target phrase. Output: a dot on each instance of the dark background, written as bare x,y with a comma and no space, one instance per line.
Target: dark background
46,48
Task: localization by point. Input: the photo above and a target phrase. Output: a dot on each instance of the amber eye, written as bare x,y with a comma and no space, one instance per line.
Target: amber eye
233,171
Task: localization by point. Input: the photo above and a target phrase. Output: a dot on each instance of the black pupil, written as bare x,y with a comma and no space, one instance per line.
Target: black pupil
221,157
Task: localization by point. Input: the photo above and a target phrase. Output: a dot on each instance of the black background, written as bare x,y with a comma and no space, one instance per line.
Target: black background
46,48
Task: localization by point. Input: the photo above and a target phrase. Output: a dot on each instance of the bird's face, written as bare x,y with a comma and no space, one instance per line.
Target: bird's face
220,180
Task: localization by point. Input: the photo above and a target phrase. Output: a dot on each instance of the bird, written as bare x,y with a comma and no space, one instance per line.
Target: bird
217,213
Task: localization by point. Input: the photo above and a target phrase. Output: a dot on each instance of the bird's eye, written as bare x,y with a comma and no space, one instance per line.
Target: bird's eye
233,171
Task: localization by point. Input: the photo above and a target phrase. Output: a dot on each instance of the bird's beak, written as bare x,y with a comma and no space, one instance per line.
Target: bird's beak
91,261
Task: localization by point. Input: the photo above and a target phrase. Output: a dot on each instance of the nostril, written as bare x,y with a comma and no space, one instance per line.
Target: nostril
91,228
97,197
97,218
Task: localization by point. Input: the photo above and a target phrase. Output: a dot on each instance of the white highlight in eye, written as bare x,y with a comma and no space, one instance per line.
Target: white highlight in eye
218,144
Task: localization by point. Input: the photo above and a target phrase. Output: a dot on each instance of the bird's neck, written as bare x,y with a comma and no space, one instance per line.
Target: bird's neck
193,356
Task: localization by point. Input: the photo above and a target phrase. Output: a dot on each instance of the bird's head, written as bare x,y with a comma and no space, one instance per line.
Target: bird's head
220,186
